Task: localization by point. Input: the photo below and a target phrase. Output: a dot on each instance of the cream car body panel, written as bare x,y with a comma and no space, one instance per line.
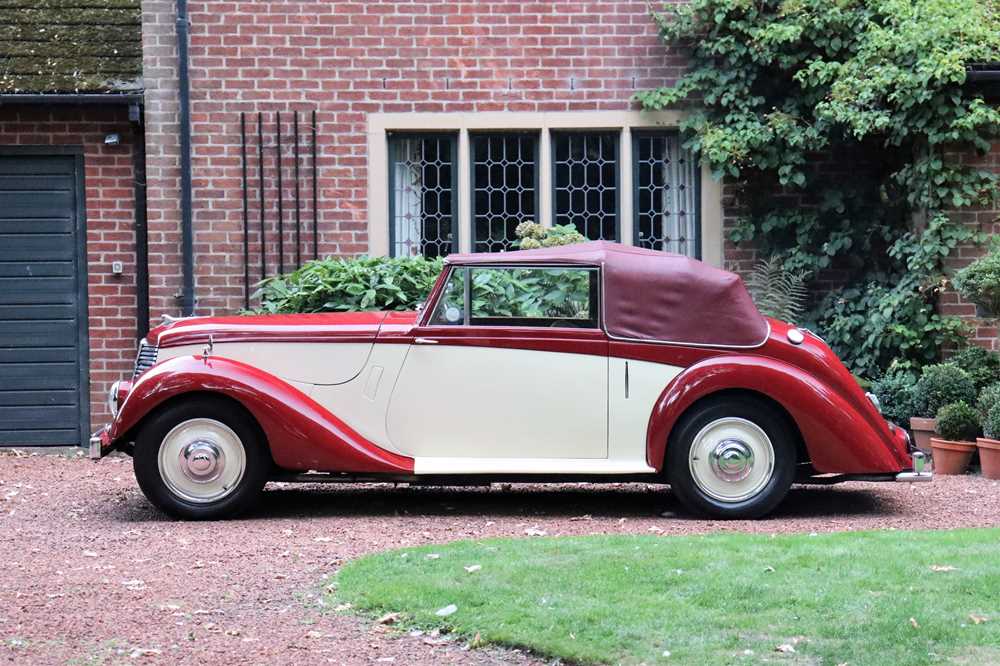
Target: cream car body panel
303,362
481,402
362,403
631,402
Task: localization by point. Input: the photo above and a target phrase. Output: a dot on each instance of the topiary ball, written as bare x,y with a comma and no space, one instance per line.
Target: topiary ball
958,422
988,397
940,385
991,424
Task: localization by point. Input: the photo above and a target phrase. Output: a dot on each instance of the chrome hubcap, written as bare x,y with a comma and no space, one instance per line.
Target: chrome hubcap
731,460
202,460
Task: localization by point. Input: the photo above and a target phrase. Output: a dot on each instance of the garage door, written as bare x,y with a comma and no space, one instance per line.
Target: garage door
42,301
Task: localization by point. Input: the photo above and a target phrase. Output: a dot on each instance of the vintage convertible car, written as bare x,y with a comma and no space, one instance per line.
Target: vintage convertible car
593,362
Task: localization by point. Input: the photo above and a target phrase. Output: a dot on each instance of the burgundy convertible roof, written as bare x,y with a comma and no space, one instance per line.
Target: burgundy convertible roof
655,296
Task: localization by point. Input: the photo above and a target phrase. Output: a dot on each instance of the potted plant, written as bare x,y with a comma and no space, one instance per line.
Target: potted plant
979,282
957,429
939,385
989,443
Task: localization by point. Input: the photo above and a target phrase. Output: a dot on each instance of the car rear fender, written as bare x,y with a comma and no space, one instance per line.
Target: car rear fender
301,434
840,436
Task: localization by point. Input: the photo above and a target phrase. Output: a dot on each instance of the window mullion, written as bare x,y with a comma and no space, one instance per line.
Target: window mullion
545,179
625,217
464,194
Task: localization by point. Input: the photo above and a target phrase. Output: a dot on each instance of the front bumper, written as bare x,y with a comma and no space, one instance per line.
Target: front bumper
100,444
918,473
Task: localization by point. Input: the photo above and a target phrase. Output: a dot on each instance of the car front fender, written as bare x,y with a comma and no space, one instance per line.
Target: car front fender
841,434
301,434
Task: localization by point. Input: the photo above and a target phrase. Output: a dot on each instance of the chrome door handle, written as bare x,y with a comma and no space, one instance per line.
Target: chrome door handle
424,341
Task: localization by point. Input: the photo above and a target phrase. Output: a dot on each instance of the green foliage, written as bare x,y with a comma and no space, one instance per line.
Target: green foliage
981,364
988,397
363,283
531,292
991,424
876,85
958,422
532,235
706,599
777,291
875,325
895,394
979,282
939,385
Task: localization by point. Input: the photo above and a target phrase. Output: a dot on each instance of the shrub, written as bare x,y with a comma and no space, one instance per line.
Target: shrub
958,422
982,365
895,394
532,235
991,424
939,385
363,283
988,397
979,282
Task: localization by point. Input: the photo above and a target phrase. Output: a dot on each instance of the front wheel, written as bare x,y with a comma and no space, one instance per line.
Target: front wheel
732,458
201,459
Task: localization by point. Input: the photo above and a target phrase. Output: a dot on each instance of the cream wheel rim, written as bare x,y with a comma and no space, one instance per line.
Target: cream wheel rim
202,460
731,459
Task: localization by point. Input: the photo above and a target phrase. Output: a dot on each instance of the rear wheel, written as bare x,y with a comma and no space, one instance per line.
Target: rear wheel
731,458
202,458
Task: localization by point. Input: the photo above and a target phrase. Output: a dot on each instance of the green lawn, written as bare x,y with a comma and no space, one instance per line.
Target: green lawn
836,598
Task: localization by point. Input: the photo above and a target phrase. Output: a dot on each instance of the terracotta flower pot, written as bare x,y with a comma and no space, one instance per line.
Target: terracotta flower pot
951,457
989,457
923,430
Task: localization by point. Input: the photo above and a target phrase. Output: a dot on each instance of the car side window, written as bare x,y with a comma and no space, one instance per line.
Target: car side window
450,310
534,296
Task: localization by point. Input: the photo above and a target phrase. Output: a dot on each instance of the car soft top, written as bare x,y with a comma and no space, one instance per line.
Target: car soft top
655,296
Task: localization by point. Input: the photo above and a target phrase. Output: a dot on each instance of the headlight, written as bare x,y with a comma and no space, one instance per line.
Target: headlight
113,398
874,399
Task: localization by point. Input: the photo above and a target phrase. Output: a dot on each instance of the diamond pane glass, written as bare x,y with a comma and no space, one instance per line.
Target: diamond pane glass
504,171
422,175
666,201
585,183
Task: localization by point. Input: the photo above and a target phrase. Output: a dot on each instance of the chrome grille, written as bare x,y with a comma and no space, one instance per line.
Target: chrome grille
145,359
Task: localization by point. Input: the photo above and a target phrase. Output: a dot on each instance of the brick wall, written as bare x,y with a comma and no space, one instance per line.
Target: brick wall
345,60
110,233
987,219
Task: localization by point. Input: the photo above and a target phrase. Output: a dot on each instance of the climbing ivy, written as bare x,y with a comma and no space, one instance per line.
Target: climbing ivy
833,120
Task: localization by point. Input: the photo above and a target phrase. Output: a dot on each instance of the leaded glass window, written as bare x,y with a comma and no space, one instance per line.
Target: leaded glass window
585,182
422,195
504,188
666,201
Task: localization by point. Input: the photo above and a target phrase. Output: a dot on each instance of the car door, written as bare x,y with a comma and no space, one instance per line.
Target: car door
512,363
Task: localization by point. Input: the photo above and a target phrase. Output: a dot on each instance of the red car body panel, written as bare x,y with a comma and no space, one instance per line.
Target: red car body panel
326,327
302,435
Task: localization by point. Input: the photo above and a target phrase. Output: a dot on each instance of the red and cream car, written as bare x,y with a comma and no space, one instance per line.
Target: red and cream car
593,362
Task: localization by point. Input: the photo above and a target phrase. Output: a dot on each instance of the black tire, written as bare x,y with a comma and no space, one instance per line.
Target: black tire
240,497
758,412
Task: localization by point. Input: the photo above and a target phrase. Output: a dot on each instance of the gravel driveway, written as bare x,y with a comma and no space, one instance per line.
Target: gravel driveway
92,574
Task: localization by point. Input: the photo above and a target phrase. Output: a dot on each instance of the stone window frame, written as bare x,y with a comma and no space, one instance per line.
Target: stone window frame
380,125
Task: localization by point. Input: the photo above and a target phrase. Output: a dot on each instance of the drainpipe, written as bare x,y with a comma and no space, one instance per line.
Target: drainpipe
141,230
184,116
